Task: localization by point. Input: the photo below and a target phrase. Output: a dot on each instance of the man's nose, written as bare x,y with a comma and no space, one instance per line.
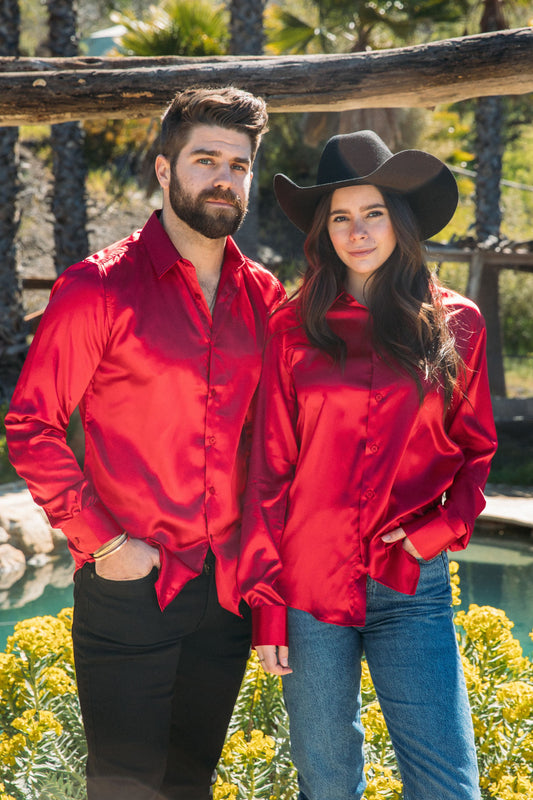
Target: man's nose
224,176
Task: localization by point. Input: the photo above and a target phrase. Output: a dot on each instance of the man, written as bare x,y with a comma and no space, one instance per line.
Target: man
158,339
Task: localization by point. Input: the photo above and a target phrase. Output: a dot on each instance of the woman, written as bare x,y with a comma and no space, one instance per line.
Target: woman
372,446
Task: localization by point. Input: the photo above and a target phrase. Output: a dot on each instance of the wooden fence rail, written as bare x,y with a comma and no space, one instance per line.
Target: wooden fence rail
36,90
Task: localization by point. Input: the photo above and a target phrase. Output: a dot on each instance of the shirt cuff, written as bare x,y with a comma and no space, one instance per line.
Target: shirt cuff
91,528
433,532
269,625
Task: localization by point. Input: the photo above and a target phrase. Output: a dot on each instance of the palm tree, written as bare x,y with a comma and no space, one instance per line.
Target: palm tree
332,26
483,284
246,27
12,328
174,28
247,36
69,203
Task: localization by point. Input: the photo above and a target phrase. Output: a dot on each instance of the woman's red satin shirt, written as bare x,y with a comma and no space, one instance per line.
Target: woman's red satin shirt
340,457
164,392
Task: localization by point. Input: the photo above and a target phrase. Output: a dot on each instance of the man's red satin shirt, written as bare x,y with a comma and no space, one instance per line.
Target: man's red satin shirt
164,392
341,457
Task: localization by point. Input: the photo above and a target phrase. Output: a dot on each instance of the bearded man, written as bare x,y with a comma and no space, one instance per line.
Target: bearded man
158,339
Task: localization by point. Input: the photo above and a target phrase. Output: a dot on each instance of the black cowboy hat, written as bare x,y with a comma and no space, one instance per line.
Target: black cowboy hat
363,158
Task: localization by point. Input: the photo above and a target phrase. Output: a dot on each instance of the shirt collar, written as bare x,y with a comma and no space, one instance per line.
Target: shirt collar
164,255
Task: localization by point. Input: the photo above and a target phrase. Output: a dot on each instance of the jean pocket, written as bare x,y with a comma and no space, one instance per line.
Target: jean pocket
118,611
150,577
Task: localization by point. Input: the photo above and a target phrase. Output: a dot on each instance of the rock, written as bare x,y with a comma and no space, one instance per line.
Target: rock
26,524
12,565
29,532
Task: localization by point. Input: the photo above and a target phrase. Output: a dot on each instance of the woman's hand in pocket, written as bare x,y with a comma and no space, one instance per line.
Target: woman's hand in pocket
396,535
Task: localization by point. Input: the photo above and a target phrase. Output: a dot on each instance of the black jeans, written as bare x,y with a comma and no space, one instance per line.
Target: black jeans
156,689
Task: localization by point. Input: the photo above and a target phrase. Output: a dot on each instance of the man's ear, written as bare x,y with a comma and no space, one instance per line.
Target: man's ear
162,170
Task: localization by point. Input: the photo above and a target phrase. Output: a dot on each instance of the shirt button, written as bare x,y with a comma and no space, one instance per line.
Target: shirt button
379,397
369,494
374,448
212,490
213,393
211,440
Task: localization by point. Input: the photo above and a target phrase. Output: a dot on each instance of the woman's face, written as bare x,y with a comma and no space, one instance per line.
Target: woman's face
361,233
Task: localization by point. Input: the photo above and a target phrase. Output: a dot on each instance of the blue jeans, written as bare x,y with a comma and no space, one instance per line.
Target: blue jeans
411,649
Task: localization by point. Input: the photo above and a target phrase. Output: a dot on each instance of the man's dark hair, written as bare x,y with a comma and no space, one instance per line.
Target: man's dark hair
227,107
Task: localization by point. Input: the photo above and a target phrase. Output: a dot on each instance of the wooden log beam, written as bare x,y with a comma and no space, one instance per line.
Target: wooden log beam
59,90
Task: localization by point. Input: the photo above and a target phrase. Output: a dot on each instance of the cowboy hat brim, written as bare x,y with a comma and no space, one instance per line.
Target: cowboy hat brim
427,184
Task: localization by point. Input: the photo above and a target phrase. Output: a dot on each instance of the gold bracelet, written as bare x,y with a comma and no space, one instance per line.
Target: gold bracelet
110,547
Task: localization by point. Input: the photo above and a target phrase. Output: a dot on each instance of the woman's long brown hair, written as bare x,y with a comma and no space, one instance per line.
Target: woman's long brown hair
409,327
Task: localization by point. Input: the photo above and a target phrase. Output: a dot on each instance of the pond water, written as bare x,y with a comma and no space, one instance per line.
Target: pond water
496,570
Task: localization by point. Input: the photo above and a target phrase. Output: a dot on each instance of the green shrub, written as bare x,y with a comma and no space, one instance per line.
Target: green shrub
42,748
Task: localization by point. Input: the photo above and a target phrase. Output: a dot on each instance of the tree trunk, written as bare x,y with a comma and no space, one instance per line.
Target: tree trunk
489,149
12,328
246,27
67,139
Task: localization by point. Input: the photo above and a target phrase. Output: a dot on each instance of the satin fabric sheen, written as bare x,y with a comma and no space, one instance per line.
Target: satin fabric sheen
341,457
164,391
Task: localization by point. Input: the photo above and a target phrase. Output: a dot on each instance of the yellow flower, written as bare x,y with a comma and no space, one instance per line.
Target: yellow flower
10,672
57,682
516,698
472,676
65,615
374,721
34,724
41,636
484,622
512,787
257,746
367,686
3,795
488,635
382,785
11,748
224,790
455,583
480,726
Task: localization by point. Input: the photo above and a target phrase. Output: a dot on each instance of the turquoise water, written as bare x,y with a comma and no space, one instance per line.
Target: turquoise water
494,570
51,601
497,570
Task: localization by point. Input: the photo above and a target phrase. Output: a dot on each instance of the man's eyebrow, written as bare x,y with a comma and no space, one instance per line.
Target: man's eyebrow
202,151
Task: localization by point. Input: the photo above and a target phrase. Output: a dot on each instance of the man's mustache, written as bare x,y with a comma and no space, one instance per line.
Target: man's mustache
226,195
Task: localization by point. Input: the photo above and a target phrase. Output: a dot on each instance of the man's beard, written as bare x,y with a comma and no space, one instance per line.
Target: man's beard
213,222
